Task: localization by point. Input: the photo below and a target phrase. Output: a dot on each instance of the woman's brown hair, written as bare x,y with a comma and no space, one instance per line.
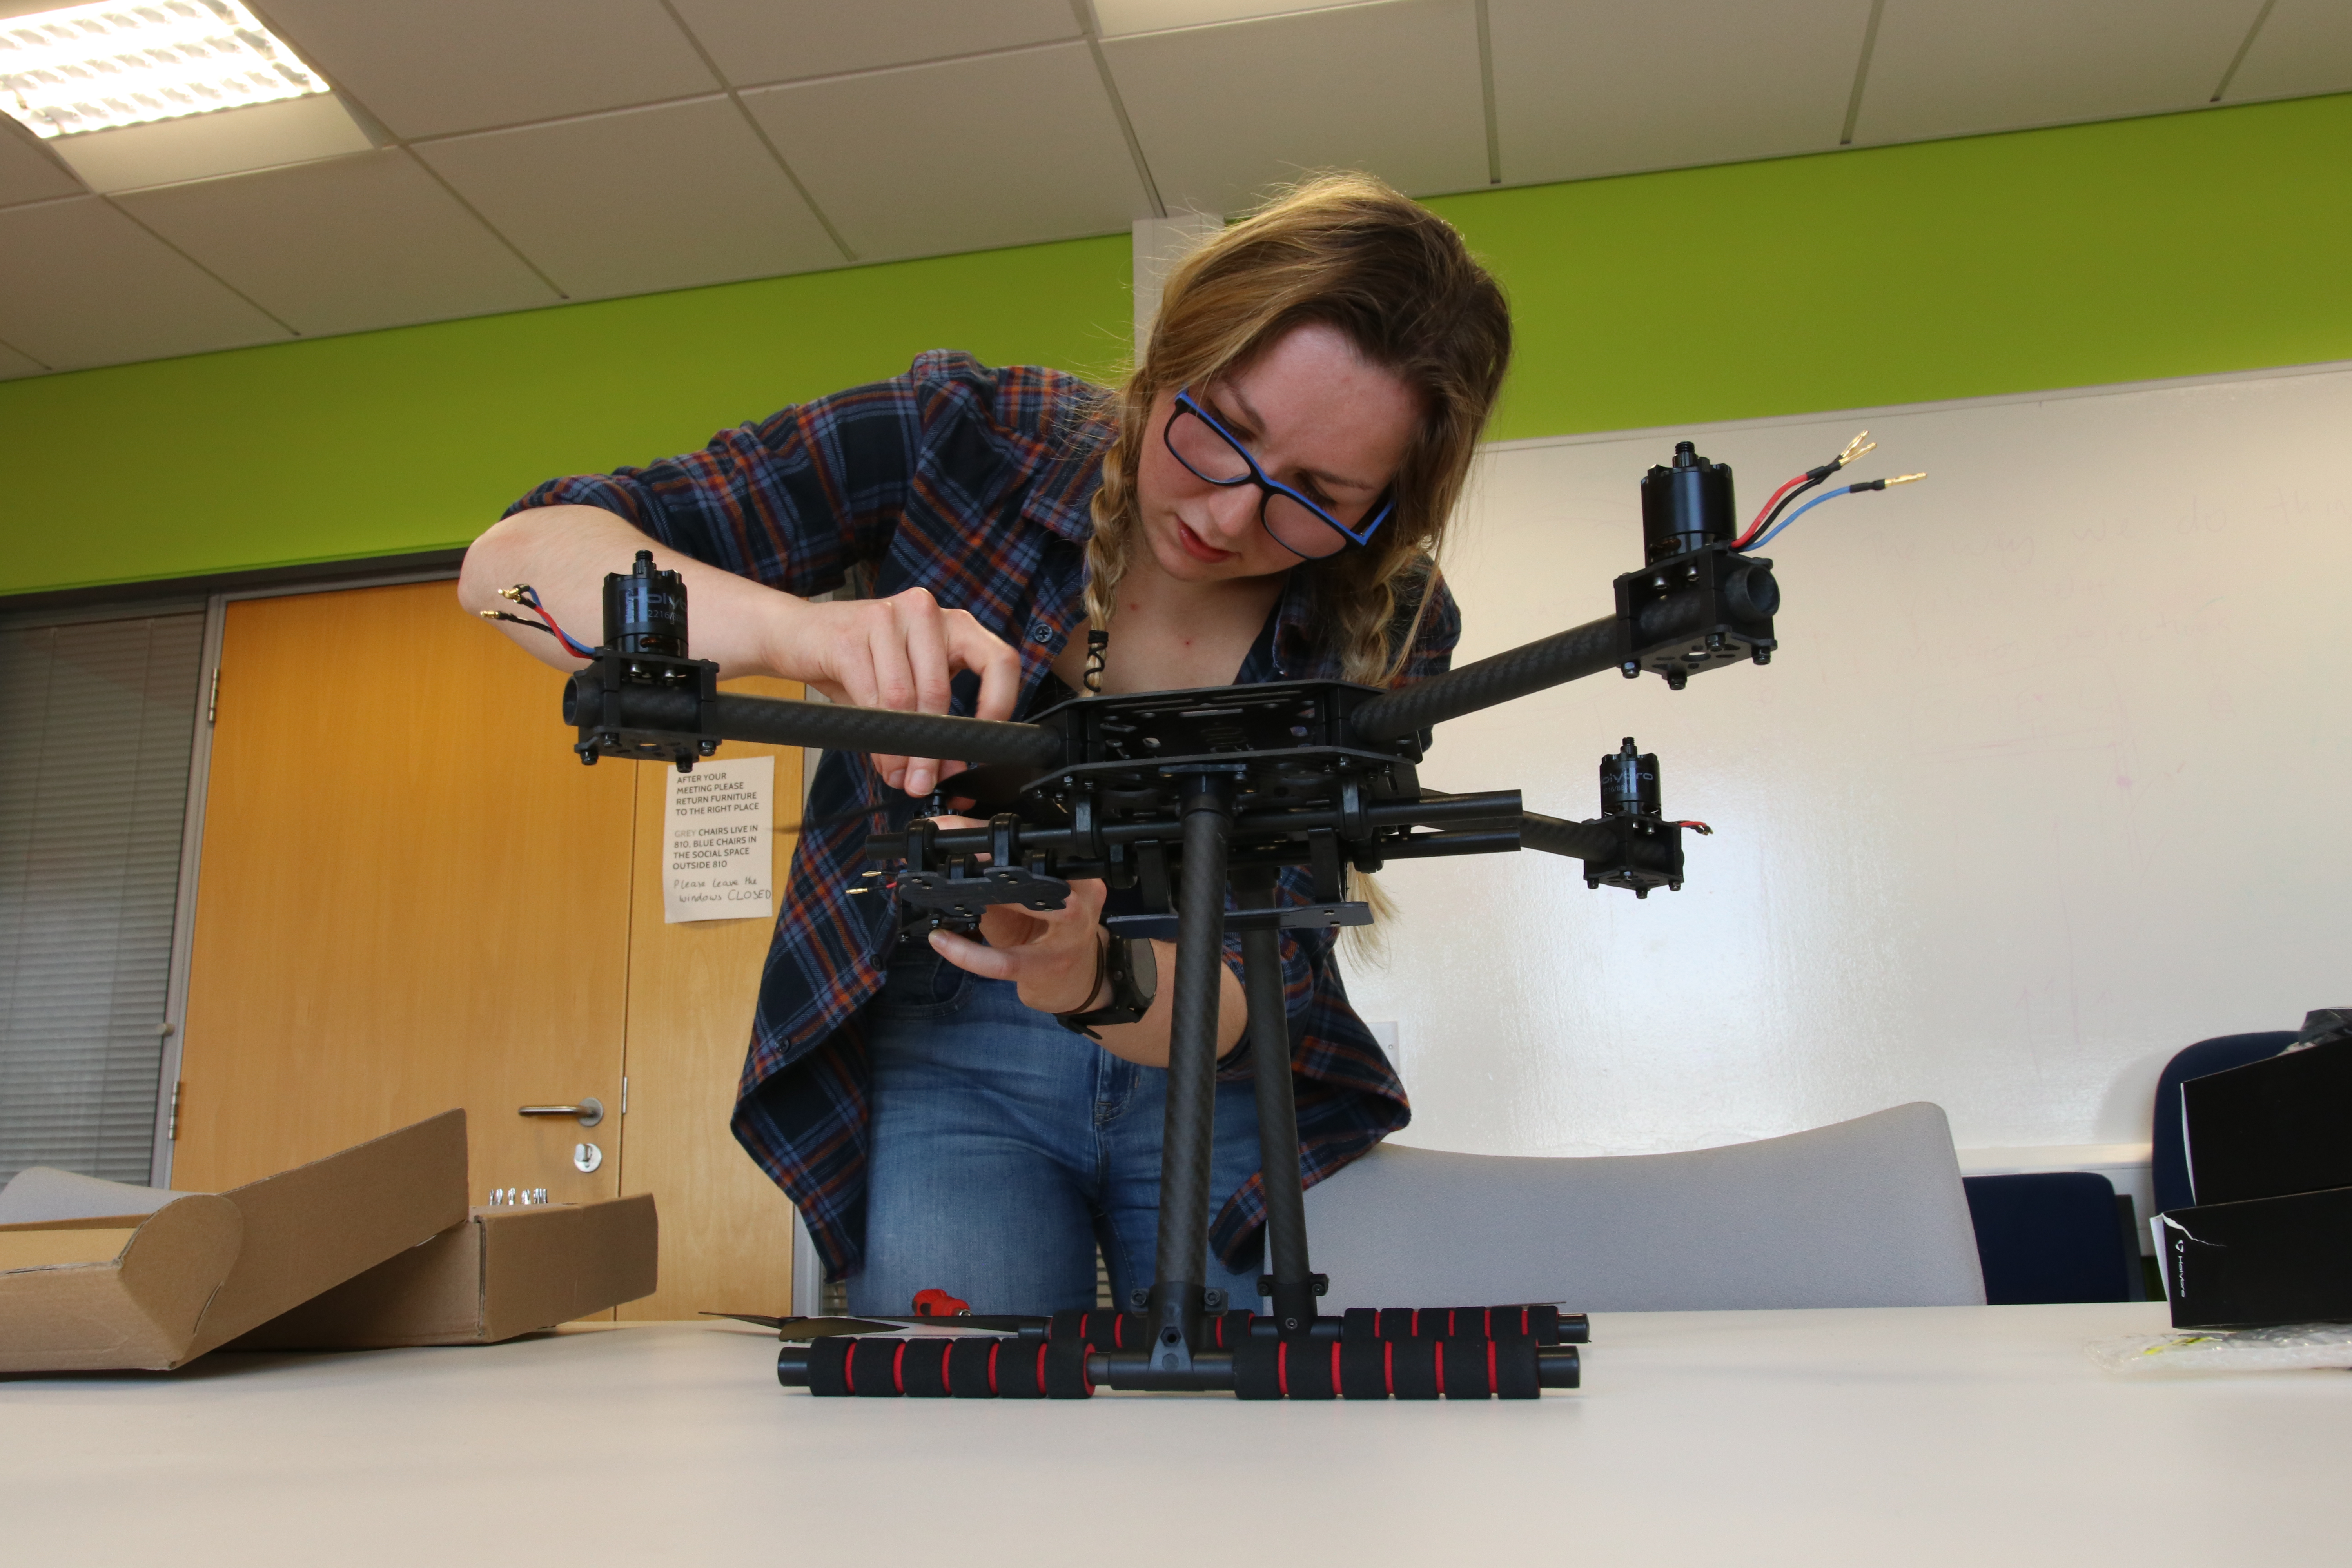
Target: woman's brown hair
1349,252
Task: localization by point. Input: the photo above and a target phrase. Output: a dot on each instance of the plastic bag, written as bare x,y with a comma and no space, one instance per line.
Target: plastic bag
2288,1348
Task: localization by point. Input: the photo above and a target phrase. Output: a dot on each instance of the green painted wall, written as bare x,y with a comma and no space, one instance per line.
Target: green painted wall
2138,249
2175,245
384,443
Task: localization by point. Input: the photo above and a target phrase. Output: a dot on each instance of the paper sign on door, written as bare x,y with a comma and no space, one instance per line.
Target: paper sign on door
718,860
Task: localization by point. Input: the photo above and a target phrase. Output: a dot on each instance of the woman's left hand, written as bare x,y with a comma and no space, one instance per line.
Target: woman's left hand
1053,956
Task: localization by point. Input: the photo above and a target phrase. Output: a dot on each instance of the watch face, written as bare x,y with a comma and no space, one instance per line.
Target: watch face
1143,967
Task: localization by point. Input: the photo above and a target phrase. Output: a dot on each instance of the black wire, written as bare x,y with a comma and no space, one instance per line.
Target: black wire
1813,476
518,620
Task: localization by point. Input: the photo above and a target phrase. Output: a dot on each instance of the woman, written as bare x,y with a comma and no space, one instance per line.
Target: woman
1261,500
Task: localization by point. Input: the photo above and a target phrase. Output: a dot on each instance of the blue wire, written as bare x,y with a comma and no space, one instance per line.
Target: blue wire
1783,526
576,649
530,601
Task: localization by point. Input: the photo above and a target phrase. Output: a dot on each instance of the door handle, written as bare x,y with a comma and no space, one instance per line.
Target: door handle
590,1110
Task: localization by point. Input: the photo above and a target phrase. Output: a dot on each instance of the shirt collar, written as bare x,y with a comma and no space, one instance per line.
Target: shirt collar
1061,500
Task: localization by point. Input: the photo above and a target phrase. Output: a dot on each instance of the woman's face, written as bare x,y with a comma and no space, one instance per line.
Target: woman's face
1317,416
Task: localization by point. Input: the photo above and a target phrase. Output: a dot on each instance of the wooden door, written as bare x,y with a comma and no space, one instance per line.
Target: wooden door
412,897
726,1229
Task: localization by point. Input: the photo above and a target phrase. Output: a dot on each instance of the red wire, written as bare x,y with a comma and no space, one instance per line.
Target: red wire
1755,527
571,645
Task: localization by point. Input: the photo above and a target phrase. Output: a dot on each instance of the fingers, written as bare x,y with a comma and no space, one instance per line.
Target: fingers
988,963
974,648
858,660
1055,971
902,653
926,652
891,671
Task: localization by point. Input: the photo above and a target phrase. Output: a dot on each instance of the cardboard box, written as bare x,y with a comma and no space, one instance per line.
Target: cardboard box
100,1275
2270,1128
2259,1263
503,1272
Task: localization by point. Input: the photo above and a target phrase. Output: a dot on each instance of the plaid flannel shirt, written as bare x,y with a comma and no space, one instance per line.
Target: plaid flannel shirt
973,483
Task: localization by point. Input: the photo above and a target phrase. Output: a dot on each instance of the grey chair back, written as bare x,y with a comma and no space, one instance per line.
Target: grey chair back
1867,1212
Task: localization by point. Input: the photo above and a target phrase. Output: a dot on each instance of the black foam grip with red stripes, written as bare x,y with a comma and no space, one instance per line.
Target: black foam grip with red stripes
923,1367
924,1371
1459,1368
873,1367
1286,1369
1545,1325
827,1357
1413,1369
1065,1370
969,1365
1020,1369
1513,1369
1366,1368
1098,1329
1127,1331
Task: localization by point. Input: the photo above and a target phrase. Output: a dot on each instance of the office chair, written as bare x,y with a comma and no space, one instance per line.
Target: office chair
2058,1236
1867,1212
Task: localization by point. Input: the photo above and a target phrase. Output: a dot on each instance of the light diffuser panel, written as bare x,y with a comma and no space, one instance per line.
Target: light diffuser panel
91,67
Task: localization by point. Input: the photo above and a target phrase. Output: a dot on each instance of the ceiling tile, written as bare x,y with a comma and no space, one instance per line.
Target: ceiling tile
344,246
1223,112
1944,69
430,68
26,173
1005,150
1120,18
14,365
1597,87
641,200
2305,47
82,284
786,40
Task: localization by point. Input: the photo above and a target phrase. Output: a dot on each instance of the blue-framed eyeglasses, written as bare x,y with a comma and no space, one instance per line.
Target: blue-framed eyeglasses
1308,529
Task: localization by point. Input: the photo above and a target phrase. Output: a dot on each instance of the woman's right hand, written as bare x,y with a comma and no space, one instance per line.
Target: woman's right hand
899,653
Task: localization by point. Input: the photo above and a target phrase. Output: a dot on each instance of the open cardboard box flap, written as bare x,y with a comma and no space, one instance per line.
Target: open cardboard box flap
125,1290
165,1277
503,1272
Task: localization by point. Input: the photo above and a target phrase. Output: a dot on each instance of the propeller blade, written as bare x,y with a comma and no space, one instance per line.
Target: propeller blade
1000,1324
823,1328
811,1328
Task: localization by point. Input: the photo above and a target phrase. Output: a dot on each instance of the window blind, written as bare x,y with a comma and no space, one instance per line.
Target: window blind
97,719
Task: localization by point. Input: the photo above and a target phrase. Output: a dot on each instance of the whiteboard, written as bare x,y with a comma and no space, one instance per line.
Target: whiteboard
2048,779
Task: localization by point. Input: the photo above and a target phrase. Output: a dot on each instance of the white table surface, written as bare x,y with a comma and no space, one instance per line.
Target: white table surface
1919,1435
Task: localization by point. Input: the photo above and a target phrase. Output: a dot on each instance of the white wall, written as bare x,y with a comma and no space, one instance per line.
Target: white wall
2047,781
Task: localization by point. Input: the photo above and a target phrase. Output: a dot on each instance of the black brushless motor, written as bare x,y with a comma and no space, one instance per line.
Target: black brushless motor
645,612
1629,783
1685,505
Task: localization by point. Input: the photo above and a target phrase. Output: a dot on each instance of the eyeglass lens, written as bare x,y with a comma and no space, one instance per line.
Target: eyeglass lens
1202,449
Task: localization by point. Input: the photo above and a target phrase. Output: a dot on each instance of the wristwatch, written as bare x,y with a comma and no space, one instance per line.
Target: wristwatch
1133,970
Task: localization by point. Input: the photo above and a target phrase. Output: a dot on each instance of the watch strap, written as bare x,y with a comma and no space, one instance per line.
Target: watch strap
1129,1001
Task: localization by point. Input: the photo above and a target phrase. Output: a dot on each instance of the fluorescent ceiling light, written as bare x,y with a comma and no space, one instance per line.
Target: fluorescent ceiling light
1121,18
93,67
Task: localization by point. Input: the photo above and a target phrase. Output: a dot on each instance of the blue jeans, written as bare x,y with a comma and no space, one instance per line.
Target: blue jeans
1007,1149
